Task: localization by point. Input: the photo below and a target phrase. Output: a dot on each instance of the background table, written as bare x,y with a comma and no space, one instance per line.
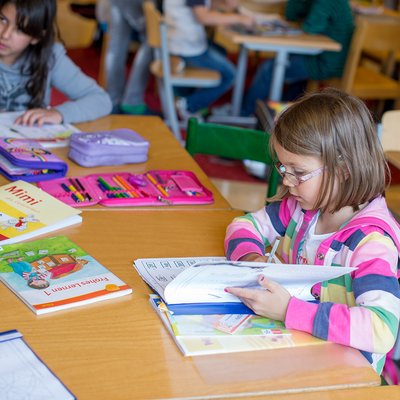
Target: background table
283,45
119,349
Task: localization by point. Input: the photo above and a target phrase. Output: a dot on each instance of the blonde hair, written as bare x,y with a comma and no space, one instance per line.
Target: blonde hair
339,129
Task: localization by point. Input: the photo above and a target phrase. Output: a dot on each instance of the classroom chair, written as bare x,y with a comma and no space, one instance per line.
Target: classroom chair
75,31
232,142
359,78
170,71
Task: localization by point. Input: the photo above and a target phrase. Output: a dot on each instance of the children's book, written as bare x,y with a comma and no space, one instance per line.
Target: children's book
26,212
49,135
226,333
23,373
53,274
195,286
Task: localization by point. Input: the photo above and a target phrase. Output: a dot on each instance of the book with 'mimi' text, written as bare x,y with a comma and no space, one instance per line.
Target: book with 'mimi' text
26,212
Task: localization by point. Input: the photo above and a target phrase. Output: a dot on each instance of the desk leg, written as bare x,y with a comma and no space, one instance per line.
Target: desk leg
278,75
240,80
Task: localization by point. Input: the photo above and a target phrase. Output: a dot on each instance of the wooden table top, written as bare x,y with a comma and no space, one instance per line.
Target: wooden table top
303,40
372,393
165,152
118,349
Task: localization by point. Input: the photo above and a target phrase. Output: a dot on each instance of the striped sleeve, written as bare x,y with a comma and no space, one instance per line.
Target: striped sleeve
371,323
253,232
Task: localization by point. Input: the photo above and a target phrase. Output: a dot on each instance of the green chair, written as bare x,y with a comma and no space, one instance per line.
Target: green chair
232,142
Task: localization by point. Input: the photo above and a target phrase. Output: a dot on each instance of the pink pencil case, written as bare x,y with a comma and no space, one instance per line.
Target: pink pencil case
153,188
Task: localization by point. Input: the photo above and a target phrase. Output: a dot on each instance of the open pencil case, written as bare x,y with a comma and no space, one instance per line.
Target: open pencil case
113,147
27,160
153,188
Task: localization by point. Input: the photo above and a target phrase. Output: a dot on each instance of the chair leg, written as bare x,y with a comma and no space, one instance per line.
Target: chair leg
171,111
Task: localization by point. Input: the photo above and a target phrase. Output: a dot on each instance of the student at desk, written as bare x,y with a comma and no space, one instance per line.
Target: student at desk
330,18
187,39
331,211
31,63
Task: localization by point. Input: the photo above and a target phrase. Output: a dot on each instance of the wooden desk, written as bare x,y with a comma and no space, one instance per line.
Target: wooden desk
283,46
373,393
118,349
165,152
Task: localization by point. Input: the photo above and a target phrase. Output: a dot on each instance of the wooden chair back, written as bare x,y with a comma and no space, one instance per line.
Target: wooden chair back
374,34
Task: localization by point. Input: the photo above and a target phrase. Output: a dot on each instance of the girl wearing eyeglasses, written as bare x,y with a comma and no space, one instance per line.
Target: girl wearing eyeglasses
331,210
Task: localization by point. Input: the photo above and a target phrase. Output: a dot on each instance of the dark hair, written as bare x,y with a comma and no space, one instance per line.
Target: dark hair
339,129
36,18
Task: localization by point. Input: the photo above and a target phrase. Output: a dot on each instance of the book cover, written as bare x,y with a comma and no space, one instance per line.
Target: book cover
198,287
196,335
54,274
27,211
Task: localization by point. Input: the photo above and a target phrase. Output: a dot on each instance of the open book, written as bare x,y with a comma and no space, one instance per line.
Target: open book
26,211
49,135
54,274
198,287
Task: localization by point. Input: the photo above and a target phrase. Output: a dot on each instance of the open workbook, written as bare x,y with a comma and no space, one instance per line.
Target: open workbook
49,135
196,285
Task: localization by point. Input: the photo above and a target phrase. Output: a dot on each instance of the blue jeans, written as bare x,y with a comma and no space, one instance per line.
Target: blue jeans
260,86
211,59
127,19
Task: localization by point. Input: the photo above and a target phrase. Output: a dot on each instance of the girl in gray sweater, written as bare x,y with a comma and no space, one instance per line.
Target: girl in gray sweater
31,63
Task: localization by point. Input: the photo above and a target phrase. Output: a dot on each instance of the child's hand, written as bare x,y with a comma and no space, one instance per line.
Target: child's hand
39,116
271,302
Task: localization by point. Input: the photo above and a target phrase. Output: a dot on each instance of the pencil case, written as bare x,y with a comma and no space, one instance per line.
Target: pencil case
27,160
153,188
113,147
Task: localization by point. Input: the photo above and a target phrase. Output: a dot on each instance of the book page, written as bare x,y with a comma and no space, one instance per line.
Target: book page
49,135
158,272
23,374
205,282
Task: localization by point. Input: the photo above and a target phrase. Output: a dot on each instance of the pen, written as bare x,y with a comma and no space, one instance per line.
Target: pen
273,251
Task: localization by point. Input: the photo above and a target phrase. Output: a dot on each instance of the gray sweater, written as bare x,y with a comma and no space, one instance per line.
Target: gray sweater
87,100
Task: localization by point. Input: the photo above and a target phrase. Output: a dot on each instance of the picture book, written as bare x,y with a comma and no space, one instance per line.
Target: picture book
227,333
53,274
26,377
197,286
27,211
49,135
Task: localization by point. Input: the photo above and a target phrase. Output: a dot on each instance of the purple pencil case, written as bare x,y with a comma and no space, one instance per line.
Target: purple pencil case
27,160
113,147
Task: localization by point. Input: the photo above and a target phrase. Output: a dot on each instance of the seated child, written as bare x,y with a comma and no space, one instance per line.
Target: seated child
330,18
331,210
31,63
187,39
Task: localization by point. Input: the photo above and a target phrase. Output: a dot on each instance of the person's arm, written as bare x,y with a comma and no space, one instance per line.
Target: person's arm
297,10
248,236
317,19
372,323
87,100
211,17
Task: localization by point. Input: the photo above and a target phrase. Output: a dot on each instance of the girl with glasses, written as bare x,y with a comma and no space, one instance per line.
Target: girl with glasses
331,210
